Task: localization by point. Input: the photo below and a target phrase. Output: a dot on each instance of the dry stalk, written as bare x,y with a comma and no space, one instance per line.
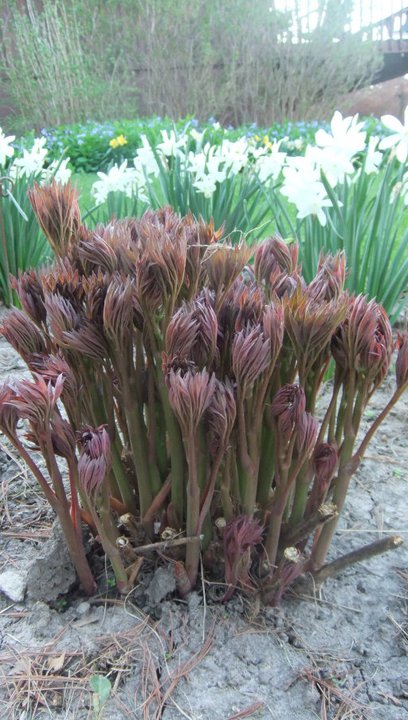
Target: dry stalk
247,712
331,696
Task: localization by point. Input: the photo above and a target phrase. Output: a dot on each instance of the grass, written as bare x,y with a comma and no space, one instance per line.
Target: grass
84,182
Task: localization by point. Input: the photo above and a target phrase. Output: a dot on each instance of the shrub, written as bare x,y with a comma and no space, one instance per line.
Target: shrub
189,382
88,144
187,57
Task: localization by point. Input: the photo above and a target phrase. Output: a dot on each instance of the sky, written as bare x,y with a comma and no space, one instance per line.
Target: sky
365,11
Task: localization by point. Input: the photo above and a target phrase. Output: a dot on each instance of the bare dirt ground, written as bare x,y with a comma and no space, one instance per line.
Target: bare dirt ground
387,98
336,654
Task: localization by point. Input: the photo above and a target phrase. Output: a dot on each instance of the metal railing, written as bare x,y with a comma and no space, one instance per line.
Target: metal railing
374,19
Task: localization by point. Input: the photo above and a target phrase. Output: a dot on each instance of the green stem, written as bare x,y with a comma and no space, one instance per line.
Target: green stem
267,460
227,506
107,532
193,507
340,419
77,551
248,478
177,470
6,267
175,442
125,490
329,415
275,525
347,469
300,498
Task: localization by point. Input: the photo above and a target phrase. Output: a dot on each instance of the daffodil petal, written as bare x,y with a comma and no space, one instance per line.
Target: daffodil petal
392,123
401,151
388,142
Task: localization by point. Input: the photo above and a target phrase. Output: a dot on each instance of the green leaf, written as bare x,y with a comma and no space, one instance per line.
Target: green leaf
101,686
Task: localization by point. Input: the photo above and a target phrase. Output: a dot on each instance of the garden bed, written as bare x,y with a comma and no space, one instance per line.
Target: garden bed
335,653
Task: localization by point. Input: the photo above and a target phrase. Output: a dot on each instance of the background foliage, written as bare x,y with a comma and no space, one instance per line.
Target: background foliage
217,57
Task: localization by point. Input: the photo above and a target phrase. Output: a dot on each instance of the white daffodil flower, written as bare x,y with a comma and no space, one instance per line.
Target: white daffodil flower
373,157
304,189
207,185
269,166
119,178
347,136
335,165
234,154
57,170
32,161
6,149
171,145
312,202
215,171
197,137
196,163
399,137
145,159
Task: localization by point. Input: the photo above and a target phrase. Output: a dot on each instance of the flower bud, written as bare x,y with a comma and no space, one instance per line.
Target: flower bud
275,254
31,295
331,274
190,395
8,413
288,407
57,210
22,334
325,464
363,342
251,355
95,460
307,428
224,263
240,536
273,323
325,461
221,414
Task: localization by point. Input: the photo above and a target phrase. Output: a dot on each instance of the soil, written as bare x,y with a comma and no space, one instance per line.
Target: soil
335,653
386,98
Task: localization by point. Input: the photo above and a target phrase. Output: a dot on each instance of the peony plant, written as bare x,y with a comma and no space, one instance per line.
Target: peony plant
175,379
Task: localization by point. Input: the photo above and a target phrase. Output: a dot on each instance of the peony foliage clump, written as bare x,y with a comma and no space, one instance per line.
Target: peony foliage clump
173,396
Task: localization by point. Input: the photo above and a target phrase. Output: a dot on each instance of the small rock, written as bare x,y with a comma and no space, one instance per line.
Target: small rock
52,574
162,584
13,583
83,609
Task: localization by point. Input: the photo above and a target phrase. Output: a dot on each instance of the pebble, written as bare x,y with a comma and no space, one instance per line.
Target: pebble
13,584
83,608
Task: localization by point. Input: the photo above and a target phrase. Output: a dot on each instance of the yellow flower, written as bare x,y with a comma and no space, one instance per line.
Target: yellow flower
257,138
267,142
118,141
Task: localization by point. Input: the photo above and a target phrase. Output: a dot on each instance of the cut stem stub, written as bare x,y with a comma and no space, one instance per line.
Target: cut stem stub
364,553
